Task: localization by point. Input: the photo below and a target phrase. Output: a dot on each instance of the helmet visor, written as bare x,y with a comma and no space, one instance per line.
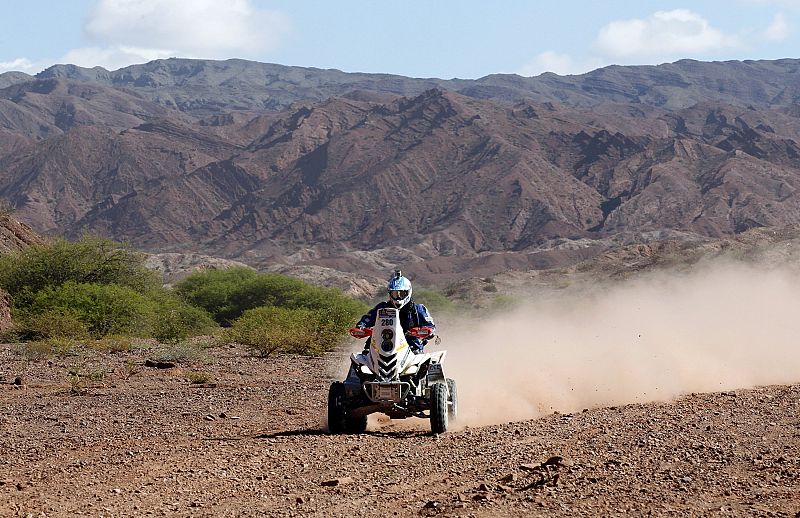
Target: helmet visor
398,294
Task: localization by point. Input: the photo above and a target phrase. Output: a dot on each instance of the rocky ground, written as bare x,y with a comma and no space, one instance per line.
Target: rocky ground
223,433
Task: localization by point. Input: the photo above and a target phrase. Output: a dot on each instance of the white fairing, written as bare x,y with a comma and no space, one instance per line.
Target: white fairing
390,355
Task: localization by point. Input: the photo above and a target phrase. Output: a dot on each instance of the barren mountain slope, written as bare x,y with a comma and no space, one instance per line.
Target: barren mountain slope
764,249
203,86
12,78
445,182
61,184
62,104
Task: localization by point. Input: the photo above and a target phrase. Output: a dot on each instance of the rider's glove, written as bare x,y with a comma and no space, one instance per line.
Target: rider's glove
361,326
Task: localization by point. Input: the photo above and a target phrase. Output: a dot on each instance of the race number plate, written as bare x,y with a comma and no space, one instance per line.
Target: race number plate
388,392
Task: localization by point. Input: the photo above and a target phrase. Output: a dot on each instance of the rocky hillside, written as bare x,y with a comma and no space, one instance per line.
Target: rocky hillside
14,236
769,248
204,86
445,180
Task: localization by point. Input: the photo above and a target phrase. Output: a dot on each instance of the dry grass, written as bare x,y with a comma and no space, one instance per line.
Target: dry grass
199,377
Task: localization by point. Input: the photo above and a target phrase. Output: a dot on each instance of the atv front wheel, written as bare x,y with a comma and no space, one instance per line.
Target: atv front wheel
439,410
356,424
337,415
452,408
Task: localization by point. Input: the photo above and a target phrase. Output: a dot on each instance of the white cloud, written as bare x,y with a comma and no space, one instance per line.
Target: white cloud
562,64
136,31
778,30
112,58
19,65
131,31
664,35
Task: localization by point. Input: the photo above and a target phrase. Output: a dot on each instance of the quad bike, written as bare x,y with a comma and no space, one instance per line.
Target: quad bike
390,378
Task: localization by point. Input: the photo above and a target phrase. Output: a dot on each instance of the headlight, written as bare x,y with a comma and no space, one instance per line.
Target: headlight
365,370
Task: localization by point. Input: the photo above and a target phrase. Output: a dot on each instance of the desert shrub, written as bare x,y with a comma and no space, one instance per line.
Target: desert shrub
103,308
227,294
267,330
80,376
169,325
270,329
93,287
199,377
49,323
174,320
184,351
90,260
48,348
128,369
218,292
111,344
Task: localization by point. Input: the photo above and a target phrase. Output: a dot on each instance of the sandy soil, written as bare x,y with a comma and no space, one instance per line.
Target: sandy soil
144,441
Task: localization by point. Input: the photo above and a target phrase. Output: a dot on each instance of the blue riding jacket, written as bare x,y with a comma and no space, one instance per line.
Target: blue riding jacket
411,315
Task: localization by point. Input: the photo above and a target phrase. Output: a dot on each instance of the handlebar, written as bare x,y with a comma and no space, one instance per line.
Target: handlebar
357,332
417,332
421,332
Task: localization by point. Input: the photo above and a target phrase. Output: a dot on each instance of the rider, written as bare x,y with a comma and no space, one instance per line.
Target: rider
411,314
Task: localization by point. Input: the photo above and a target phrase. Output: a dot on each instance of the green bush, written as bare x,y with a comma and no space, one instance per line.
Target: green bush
93,287
267,330
169,326
227,294
173,320
51,323
330,325
96,310
103,308
270,329
218,292
90,260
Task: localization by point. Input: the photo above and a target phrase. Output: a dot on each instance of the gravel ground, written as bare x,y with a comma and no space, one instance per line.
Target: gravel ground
130,440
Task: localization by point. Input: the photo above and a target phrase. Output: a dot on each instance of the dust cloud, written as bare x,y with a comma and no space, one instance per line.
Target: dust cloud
722,327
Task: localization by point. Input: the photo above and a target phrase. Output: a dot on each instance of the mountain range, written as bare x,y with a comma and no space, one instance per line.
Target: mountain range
288,167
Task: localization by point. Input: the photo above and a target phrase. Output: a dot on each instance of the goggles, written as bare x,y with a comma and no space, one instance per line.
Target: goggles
398,294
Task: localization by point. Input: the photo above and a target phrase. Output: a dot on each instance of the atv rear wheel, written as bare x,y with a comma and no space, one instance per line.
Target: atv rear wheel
439,410
452,408
337,415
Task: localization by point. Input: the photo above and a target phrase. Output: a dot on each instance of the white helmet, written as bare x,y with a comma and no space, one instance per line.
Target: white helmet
399,290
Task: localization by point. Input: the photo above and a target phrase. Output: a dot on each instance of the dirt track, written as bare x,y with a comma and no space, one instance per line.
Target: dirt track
146,441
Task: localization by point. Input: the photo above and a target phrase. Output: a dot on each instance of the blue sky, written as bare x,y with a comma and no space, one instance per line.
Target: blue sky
466,38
